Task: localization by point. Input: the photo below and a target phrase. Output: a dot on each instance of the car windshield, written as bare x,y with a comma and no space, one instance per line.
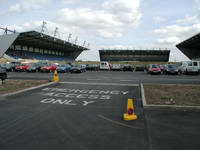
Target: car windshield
172,66
155,66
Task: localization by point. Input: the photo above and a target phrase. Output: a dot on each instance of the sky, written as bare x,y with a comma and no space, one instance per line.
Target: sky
108,24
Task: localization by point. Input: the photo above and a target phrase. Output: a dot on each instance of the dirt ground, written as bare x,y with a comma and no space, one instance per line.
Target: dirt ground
188,95
16,85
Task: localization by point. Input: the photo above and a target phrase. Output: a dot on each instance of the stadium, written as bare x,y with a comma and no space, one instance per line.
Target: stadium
39,46
191,47
135,55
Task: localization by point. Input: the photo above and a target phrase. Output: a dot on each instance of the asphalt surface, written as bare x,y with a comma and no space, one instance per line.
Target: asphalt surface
72,116
84,112
112,77
173,129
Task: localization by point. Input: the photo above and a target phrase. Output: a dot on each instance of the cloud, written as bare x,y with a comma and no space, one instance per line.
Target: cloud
189,20
159,19
110,21
171,35
27,5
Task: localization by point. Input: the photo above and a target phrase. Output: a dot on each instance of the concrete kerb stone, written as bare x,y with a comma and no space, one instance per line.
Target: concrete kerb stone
28,89
145,105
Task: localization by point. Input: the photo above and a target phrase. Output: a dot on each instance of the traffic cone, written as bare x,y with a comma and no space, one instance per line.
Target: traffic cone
130,114
56,77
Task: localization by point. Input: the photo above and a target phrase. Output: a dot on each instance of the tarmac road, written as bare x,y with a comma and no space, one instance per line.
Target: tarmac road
72,116
111,76
84,112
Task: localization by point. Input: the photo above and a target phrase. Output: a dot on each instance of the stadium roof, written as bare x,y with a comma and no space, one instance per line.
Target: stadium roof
191,47
37,39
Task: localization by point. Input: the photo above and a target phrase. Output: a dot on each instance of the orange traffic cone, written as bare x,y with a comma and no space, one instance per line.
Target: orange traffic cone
56,77
130,114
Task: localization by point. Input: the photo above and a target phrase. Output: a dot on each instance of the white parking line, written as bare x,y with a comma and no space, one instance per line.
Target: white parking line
94,79
109,84
126,80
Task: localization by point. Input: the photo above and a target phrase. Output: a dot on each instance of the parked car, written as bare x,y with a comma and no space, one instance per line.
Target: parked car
128,68
33,68
3,74
63,68
104,65
22,67
117,67
11,66
154,69
139,68
48,68
83,67
163,68
171,69
91,67
77,68
189,67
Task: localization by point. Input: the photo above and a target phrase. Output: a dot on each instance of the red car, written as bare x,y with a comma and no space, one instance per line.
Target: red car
48,68
22,67
154,69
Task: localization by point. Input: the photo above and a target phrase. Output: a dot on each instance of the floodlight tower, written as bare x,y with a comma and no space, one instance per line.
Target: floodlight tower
76,40
55,32
88,45
69,37
43,26
84,43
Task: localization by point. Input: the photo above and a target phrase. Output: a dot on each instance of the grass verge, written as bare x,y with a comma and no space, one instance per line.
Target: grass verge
15,85
188,95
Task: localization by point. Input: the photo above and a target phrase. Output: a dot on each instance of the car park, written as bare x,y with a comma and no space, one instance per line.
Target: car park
171,69
92,67
117,67
10,66
63,68
22,67
139,68
76,68
48,68
104,65
163,68
189,67
153,69
83,67
33,68
128,67
3,74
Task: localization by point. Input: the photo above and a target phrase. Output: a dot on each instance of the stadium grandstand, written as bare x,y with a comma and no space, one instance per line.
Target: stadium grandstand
39,46
135,55
191,47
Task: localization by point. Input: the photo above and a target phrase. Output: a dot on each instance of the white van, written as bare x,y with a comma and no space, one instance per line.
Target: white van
104,65
189,67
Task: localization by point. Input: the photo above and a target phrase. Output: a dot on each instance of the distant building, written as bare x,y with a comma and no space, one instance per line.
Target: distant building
135,55
36,45
191,47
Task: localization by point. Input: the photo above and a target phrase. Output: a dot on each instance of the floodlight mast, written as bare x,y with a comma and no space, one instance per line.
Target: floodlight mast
55,32
6,30
43,26
76,40
84,43
88,45
69,37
